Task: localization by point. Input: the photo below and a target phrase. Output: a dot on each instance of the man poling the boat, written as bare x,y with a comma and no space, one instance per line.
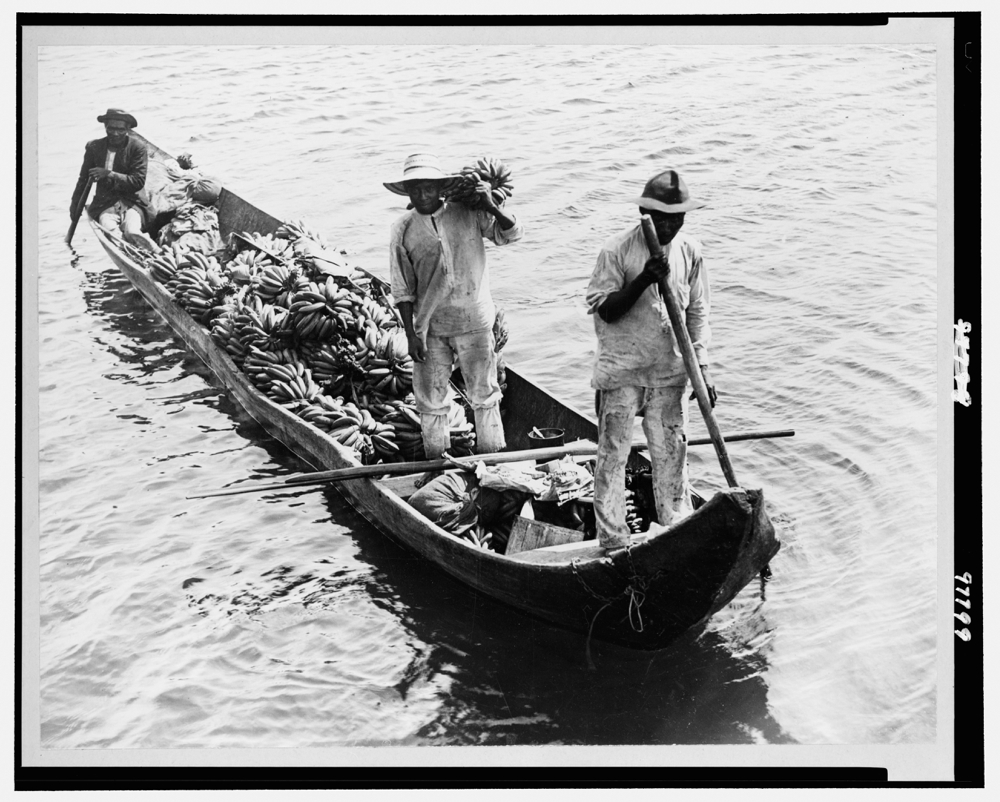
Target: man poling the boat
638,366
117,163
441,287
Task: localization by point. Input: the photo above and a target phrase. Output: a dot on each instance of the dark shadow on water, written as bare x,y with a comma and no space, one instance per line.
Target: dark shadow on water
516,680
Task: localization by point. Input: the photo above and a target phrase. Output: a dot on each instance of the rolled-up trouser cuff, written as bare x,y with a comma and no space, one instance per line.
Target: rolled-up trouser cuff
489,430
435,433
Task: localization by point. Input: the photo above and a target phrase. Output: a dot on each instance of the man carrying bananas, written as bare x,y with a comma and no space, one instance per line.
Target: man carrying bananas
639,367
441,286
117,162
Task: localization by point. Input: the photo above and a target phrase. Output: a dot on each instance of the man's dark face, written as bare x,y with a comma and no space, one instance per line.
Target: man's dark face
117,132
667,225
424,195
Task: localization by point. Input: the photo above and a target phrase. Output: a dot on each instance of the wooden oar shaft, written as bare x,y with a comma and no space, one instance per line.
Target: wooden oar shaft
578,447
690,359
737,436
78,211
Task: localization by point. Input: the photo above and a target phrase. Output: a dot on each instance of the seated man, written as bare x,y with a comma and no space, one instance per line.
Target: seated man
117,162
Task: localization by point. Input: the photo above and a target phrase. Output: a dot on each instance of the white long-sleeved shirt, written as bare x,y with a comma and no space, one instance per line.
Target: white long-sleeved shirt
438,263
639,349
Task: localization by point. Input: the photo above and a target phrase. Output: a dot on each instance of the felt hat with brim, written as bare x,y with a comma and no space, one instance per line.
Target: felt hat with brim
668,193
419,167
118,114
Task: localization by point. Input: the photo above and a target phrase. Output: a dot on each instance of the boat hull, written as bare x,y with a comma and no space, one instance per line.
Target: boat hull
643,597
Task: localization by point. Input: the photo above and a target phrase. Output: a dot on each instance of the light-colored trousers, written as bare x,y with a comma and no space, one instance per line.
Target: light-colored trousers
665,426
127,221
478,362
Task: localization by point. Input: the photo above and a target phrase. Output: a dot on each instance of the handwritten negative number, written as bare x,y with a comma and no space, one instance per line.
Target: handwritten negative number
964,633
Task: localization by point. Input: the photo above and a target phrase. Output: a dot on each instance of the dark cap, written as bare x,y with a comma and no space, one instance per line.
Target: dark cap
667,192
118,114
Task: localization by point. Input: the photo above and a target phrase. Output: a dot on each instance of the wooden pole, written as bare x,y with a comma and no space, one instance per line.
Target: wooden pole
737,436
690,359
578,447
78,211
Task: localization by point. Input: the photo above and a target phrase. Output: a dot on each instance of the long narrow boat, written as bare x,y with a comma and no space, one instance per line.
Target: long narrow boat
642,597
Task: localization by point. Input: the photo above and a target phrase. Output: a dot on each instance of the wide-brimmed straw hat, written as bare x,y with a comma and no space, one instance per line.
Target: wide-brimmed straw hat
419,167
667,192
118,114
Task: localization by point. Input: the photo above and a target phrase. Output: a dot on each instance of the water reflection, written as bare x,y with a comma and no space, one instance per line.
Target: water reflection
515,680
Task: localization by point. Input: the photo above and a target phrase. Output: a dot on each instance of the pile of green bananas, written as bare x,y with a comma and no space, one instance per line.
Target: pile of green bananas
405,421
245,268
201,286
291,383
328,348
390,368
162,266
279,283
485,169
257,363
260,325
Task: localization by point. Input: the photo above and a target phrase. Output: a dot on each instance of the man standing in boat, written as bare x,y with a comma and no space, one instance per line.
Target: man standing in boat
117,163
441,286
639,367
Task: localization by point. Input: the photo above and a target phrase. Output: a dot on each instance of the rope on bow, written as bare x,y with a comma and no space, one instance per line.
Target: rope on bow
635,589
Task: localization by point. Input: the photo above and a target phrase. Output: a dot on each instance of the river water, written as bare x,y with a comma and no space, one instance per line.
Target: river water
286,620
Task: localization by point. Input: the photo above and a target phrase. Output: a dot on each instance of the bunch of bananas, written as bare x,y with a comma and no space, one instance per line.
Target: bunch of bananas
201,287
405,421
262,325
311,314
321,312
322,411
323,358
270,245
291,383
488,169
294,230
224,331
246,266
162,266
634,517
390,368
352,426
478,536
279,284
257,362
461,431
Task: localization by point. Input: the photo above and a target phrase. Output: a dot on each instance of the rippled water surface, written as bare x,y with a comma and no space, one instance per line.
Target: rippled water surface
287,620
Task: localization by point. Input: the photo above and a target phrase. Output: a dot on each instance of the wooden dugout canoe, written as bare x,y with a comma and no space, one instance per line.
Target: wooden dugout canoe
643,597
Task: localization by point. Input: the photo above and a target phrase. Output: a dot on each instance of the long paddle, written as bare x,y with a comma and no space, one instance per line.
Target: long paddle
690,360
575,448
580,447
78,211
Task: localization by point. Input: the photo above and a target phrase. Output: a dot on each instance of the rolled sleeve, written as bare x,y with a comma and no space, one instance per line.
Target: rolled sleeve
608,277
699,308
489,229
